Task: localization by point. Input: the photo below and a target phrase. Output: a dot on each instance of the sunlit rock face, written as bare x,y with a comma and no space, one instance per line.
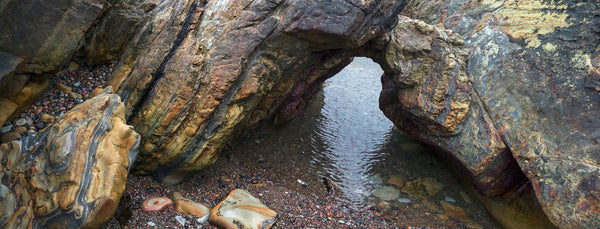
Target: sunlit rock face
534,65
73,173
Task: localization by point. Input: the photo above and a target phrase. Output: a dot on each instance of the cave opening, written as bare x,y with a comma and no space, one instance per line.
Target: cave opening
344,152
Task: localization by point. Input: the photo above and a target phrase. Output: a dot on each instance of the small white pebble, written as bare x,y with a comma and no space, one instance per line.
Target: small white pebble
449,199
180,220
404,200
152,224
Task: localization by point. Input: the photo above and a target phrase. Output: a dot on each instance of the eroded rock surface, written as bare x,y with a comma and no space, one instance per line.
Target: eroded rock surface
73,173
216,69
534,65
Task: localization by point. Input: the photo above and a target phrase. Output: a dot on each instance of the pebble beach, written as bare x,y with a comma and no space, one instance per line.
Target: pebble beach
279,174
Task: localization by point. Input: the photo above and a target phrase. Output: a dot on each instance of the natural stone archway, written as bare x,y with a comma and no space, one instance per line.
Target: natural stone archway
267,66
200,73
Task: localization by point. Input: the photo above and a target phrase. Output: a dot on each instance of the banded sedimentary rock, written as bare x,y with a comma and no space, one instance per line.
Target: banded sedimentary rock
201,73
71,174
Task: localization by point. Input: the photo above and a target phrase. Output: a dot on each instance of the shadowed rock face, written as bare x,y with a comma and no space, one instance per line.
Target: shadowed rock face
534,64
40,37
73,173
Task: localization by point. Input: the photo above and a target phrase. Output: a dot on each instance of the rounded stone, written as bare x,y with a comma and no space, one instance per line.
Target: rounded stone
156,204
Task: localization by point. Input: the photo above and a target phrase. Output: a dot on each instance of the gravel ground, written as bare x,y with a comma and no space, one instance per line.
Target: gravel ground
54,102
273,179
270,171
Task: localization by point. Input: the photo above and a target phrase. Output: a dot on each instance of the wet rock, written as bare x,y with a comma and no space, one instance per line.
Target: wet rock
29,121
156,204
386,193
449,199
8,109
71,174
453,211
423,187
216,87
382,206
397,181
242,210
188,206
465,197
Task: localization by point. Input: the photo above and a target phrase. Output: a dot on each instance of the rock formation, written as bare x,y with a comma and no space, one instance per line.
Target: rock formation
534,66
73,173
508,91
41,37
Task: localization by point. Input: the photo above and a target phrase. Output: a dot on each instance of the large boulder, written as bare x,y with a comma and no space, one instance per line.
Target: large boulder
71,174
427,93
534,65
200,73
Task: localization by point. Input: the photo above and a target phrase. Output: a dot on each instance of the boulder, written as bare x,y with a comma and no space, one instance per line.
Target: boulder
71,174
427,94
534,66
242,210
196,76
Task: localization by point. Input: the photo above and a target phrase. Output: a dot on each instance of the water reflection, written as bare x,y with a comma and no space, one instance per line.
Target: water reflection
349,131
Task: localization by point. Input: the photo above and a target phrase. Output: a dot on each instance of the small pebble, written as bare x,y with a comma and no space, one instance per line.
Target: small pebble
6,129
450,199
181,220
21,122
152,224
404,200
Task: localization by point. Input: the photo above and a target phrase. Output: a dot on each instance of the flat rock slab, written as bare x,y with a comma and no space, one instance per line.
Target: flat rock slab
242,210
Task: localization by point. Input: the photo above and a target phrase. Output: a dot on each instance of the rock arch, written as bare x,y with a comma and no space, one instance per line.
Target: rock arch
218,75
517,95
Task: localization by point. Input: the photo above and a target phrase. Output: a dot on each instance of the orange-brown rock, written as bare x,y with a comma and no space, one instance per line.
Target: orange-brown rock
191,207
71,174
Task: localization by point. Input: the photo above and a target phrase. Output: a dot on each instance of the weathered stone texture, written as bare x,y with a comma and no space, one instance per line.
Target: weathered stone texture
426,93
217,69
534,65
73,173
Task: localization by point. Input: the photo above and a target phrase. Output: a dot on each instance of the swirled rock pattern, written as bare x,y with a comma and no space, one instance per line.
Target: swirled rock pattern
73,173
